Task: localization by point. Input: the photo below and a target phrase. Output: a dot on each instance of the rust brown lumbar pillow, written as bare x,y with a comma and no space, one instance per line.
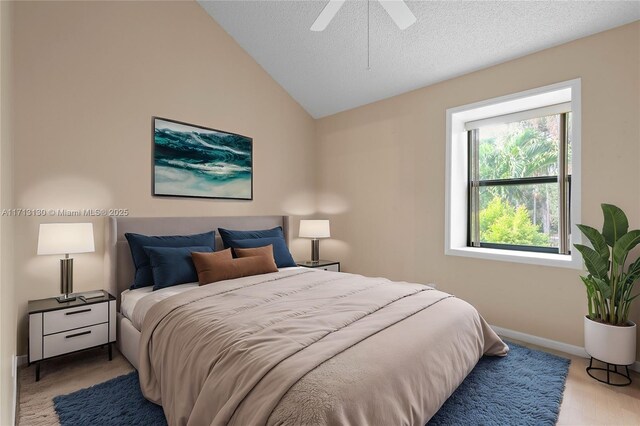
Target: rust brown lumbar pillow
218,266
206,264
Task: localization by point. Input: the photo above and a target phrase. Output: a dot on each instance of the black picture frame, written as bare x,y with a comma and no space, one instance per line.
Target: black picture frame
200,161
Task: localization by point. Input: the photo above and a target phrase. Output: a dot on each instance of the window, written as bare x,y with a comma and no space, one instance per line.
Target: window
519,181
513,177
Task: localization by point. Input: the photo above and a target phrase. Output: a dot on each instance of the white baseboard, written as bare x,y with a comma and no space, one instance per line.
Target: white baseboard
14,376
550,344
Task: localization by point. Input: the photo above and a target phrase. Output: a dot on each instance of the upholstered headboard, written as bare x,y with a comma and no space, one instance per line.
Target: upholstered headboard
119,267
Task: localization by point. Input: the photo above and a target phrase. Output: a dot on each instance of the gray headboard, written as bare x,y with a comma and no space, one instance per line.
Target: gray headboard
119,267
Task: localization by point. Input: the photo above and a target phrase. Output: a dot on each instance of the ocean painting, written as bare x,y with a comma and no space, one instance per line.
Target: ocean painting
194,161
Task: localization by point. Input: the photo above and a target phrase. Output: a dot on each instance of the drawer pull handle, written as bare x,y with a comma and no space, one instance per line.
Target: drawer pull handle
77,334
77,312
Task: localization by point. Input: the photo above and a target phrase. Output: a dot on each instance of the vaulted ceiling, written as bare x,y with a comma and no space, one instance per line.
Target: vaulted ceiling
326,72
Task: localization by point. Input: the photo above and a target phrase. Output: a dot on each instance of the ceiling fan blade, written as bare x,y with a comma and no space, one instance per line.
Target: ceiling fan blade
399,12
327,15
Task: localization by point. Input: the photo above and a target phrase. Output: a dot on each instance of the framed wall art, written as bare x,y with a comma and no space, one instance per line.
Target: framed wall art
196,161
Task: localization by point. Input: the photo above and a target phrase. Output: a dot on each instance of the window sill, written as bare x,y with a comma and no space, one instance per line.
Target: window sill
546,259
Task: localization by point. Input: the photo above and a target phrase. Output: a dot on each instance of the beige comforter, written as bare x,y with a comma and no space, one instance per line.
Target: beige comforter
309,347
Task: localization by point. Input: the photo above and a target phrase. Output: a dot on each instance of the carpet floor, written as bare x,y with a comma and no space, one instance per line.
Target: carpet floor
524,388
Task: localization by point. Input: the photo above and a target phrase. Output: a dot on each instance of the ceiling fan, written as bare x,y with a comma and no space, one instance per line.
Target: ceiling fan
397,9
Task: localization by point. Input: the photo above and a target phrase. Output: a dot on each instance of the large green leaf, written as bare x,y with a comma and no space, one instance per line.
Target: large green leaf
624,245
590,286
603,287
588,283
615,225
597,240
596,265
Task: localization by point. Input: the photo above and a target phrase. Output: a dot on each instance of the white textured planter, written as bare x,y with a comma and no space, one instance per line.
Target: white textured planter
610,343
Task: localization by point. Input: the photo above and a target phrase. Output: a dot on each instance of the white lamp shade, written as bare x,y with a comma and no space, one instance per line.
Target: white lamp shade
314,229
65,238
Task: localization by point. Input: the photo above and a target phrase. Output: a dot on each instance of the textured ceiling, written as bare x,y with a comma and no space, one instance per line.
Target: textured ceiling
326,72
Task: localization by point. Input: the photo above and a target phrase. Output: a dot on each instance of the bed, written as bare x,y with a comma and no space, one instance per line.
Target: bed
297,346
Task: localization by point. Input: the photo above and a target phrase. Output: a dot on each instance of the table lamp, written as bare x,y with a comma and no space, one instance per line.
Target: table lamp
65,238
314,229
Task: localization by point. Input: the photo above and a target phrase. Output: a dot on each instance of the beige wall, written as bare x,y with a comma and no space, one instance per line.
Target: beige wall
7,298
87,79
382,173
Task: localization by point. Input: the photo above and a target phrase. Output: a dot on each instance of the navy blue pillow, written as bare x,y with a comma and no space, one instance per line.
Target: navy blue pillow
173,265
281,253
137,243
229,235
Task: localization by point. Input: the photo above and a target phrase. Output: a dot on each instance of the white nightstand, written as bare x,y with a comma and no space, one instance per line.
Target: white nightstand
61,328
325,265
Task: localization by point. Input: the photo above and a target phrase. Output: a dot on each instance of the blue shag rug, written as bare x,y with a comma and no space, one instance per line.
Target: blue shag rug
117,401
523,388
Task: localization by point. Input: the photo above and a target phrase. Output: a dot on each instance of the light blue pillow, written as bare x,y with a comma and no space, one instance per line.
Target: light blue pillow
137,242
173,265
281,253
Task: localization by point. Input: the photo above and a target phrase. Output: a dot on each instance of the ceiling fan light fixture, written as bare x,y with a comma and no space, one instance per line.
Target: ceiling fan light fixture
327,15
399,12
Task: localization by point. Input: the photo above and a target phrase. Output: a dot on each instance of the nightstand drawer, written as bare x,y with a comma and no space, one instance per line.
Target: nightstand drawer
76,317
74,340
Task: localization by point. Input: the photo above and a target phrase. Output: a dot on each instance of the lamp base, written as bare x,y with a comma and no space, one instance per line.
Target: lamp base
65,298
66,280
315,250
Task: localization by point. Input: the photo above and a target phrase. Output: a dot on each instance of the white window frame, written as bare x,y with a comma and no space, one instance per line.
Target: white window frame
456,191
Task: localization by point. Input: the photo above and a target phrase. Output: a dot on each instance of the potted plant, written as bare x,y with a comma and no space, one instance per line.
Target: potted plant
609,335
